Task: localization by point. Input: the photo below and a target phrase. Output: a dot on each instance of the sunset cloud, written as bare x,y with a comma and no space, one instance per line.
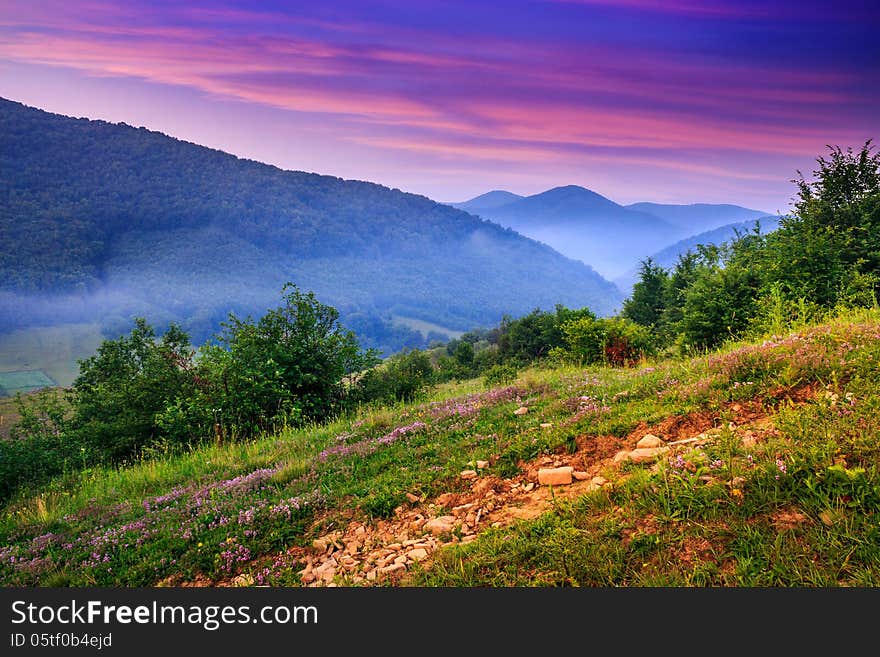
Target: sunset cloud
564,82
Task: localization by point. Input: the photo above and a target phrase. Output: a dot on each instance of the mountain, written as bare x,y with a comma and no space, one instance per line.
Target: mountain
488,201
699,217
668,257
585,225
103,221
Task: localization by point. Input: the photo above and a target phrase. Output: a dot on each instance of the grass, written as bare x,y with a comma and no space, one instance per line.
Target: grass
794,502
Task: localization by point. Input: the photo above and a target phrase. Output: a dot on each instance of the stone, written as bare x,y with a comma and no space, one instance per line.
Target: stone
621,457
468,474
555,476
580,475
393,568
599,480
417,554
648,441
522,410
528,487
647,455
546,425
243,580
440,525
412,498
482,465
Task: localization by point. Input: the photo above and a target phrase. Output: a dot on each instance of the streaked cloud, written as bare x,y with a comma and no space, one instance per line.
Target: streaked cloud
478,82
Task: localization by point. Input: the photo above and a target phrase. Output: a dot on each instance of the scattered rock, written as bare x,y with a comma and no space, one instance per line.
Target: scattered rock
555,476
393,568
522,410
482,465
580,476
441,525
599,481
413,498
646,455
546,425
649,441
243,580
468,474
621,457
417,554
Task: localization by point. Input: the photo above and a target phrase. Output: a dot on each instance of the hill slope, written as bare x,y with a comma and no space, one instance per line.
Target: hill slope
108,220
585,225
752,466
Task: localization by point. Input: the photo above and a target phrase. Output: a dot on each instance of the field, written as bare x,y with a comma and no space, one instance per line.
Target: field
425,327
53,351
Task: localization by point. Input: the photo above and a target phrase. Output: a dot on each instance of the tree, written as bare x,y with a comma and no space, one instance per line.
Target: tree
646,304
129,381
294,365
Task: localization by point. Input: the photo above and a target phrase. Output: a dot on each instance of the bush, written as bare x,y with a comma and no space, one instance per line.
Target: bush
501,374
613,341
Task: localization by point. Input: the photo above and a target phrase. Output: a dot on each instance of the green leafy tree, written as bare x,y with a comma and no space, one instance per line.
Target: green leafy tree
123,387
295,365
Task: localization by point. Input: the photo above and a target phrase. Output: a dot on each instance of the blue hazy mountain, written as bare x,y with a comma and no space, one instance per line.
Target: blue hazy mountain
582,224
699,217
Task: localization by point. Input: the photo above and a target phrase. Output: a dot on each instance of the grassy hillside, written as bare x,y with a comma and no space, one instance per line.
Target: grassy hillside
755,465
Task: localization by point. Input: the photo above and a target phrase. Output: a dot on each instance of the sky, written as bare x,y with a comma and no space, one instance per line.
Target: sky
672,101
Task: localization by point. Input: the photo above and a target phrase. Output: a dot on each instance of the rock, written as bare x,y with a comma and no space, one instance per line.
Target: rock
440,525
522,410
580,476
482,465
648,441
412,498
647,455
748,440
546,425
468,538
555,476
468,474
417,554
621,456
243,580
393,568
528,487
401,559
599,480
736,408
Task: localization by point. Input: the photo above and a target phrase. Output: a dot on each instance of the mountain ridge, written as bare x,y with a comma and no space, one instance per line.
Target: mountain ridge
96,207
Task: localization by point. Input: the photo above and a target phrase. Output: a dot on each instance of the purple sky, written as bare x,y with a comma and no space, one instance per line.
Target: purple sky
676,101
